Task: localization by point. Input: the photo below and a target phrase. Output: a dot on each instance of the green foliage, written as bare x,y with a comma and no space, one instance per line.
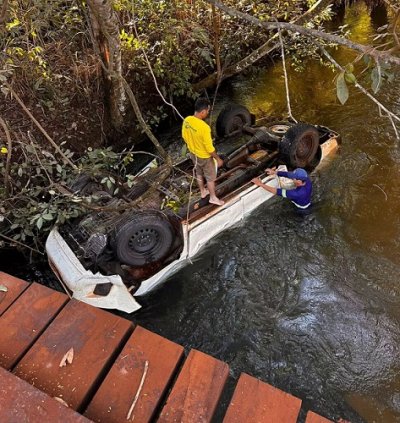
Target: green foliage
37,44
39,196
48,46
178,38
379,72
341,88
344,78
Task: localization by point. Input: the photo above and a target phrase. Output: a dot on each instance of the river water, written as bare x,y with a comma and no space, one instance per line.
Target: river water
310,305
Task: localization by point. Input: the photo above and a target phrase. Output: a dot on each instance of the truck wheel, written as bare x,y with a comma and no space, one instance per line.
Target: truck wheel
299,145
145,238
232,118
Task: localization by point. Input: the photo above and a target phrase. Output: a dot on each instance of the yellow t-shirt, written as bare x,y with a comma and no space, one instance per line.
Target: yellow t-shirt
197,135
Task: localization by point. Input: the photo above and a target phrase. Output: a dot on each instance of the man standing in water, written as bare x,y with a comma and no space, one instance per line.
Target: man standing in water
300,196
197,135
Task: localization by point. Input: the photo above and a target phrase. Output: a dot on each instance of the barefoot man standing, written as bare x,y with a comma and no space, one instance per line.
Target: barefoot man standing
197,135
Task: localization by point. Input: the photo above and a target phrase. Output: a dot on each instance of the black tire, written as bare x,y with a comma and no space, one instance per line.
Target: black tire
231,119
299,145
315,161
144,238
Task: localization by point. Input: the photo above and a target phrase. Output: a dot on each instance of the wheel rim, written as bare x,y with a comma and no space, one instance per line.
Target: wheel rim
279,129
144,240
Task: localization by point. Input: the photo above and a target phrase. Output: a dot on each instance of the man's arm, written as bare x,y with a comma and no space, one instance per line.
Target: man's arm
220,162
268,188
275,172
209,146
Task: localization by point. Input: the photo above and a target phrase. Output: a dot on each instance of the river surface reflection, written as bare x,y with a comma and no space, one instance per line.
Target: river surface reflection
311,304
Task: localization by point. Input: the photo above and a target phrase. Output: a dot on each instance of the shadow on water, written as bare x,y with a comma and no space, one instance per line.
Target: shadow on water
308,304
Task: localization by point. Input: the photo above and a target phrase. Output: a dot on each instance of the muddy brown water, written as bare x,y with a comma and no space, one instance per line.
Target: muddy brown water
310,305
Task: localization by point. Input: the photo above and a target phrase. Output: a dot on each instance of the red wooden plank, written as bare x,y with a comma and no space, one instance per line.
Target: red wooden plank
23,403
96,337
259,402
25,320
14,286
197,390
316,418
116,394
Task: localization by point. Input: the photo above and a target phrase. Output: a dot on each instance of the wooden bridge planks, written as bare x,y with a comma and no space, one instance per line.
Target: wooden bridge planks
316,418
25,319
197,390
116,394
257,402
96,337
15,287
22,403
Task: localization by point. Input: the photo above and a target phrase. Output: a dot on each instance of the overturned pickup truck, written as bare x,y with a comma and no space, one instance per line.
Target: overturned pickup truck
147,232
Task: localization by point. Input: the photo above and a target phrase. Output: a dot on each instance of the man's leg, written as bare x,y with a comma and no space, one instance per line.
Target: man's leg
210,173
213,198
203,190
199,175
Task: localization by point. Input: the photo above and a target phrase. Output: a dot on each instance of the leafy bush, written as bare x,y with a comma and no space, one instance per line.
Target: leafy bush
39,197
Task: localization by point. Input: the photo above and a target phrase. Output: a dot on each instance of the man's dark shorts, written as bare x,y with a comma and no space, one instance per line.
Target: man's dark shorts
205,167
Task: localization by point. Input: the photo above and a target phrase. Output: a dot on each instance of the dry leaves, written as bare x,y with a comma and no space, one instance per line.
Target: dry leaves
68,358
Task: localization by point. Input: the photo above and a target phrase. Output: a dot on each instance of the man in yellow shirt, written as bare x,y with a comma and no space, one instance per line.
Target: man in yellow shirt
197,135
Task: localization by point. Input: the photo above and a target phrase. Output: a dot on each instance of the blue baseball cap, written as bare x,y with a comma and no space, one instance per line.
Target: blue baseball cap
299,174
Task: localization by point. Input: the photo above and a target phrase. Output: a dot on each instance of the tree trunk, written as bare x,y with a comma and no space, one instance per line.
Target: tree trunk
106,33
3,12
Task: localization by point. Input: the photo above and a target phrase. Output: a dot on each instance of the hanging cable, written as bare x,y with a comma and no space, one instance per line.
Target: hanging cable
286,78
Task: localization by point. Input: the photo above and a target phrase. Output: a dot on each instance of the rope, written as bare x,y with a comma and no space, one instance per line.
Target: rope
188,208
286,78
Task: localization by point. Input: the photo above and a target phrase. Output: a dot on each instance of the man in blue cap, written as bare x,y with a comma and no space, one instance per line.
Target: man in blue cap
300,196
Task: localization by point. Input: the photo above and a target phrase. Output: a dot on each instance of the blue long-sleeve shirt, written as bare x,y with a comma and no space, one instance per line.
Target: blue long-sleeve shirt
300,196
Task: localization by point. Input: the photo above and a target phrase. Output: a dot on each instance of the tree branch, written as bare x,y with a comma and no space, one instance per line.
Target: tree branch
8,162
152,73
310,33
390,114
142,122
3,13
51,182
394,33
267,48
13,241
47,136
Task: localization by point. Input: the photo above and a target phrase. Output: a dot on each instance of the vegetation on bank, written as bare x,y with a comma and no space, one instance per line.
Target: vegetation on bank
82,75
